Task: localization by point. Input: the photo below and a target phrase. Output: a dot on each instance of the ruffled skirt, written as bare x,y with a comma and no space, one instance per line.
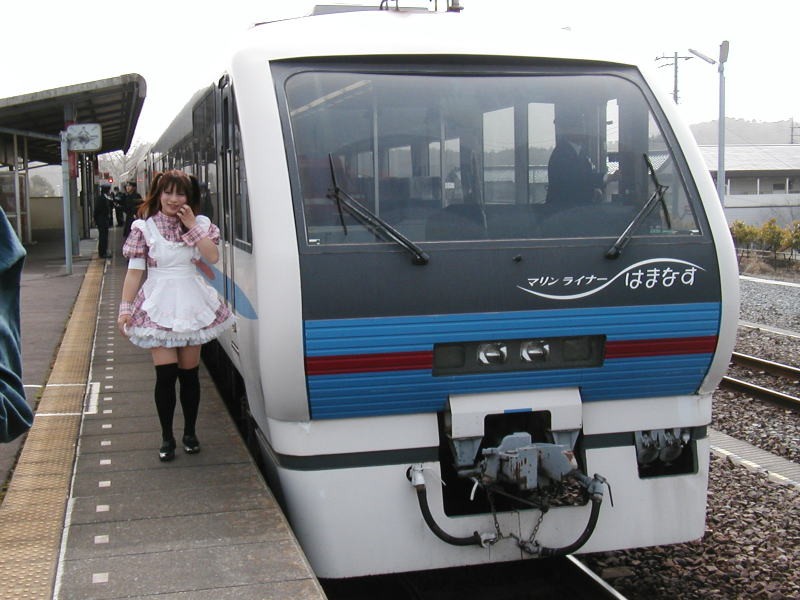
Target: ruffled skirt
172,313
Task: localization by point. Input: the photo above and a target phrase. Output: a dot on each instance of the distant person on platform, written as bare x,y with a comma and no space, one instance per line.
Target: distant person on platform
131,201
572,179
119,207
16,417
103,209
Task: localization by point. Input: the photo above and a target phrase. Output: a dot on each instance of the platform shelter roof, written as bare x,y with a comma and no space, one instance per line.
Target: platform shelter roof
114,103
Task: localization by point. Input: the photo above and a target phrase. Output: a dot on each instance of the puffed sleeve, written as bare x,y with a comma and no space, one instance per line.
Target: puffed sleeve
203,228
135,248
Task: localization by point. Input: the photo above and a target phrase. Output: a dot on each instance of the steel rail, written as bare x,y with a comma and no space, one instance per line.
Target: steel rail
774,368
761,392
594,585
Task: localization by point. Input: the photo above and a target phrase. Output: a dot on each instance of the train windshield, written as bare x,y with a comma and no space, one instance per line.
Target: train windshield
448,157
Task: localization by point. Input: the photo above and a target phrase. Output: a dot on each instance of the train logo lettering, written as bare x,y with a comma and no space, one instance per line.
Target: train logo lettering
646,274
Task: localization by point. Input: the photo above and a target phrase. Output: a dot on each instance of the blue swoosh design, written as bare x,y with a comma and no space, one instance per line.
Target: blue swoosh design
244,307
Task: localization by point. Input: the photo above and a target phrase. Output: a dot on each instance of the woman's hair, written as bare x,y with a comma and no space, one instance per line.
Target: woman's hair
167,181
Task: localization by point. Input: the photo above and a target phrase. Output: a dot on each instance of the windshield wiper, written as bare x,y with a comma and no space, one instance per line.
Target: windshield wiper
644,212
372,221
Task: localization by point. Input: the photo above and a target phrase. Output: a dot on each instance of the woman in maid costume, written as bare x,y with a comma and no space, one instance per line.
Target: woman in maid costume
175,310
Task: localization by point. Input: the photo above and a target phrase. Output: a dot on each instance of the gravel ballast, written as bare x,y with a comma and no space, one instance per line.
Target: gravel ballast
751,545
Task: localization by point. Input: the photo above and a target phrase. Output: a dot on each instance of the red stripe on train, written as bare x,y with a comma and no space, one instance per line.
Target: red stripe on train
407,361
363,363
661,347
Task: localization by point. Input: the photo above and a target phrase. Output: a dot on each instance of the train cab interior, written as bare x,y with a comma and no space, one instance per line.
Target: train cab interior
448,157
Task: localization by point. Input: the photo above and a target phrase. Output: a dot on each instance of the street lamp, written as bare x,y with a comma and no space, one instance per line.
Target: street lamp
723,57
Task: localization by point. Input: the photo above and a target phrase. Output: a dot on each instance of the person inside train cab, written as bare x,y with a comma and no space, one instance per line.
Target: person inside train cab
572,178
175,311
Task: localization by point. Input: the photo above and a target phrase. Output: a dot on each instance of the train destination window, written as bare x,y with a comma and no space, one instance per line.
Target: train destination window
448,157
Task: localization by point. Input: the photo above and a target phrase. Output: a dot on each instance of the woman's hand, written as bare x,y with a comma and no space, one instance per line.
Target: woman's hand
187,217
122,324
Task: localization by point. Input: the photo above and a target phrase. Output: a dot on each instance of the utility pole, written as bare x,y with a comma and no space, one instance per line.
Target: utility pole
724,48
675,58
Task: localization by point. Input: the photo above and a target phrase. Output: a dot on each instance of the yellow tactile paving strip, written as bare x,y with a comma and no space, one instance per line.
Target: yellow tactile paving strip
33,510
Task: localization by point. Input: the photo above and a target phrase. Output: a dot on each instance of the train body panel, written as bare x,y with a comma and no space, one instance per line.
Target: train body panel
718,228
275,268
418,302
332,506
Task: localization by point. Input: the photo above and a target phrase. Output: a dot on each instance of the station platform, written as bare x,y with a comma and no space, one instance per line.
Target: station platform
777,469
89,510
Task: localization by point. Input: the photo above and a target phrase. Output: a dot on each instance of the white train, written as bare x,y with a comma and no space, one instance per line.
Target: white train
450,350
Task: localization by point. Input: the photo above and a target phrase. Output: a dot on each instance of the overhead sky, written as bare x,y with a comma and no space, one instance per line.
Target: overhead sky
179,46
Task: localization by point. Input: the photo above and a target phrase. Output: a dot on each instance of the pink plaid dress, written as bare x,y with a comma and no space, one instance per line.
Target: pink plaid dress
175,306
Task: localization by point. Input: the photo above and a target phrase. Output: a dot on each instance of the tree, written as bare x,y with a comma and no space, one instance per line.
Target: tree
791,237
743,236
41,187
771,237
121,166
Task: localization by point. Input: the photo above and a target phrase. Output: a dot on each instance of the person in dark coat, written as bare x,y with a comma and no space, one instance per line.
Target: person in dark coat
572,179
119,209
16,416
103,208
131,201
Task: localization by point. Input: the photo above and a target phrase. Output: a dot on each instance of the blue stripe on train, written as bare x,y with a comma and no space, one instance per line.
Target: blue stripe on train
399,392
407,334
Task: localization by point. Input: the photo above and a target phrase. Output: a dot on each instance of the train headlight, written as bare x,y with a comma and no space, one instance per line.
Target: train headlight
493,353
534,351
665,451
670,445
647,449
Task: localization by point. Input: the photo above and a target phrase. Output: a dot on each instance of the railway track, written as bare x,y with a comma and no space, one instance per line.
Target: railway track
545,579
758,391
594,586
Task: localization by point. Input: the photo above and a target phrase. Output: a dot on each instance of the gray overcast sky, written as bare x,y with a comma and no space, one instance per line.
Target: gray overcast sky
179,46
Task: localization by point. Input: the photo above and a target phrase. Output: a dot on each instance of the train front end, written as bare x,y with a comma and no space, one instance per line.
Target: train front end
501,360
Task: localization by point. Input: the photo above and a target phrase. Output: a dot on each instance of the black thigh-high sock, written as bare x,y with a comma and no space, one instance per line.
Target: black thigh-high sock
166,375
190,398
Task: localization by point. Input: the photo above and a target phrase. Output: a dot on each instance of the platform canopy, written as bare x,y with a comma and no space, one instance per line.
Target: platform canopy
114,103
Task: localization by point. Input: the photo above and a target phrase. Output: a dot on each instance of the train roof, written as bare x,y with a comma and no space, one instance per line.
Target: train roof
373,33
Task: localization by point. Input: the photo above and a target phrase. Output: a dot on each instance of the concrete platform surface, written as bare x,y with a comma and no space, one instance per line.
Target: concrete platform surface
90,511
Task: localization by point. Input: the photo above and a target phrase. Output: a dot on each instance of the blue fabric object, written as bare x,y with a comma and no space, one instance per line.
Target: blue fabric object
16,417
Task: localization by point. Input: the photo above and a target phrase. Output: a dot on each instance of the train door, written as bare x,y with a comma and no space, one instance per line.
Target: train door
235,202
225,190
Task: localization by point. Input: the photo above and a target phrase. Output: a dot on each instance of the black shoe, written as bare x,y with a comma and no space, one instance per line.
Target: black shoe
191,444
167,451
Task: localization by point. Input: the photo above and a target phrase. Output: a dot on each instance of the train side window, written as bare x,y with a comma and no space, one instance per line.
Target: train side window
242,230
399,161
499,180
541,141
676,206
204,141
